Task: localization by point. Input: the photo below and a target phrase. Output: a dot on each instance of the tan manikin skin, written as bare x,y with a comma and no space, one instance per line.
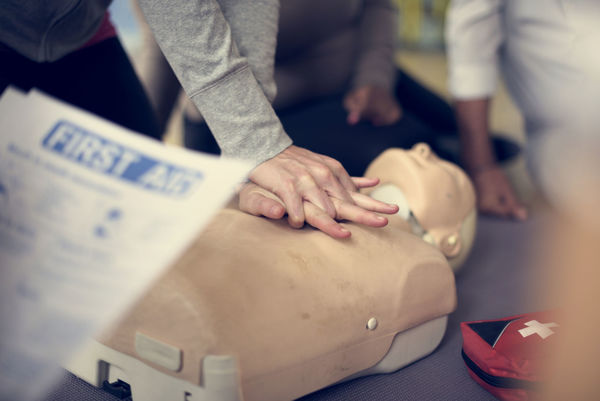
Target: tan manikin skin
290,305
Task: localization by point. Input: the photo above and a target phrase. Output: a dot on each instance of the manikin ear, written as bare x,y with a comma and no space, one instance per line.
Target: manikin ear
450,245
451,228
466,237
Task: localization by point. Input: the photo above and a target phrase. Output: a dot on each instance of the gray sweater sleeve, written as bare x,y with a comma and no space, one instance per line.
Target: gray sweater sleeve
254,25
376,45
198,43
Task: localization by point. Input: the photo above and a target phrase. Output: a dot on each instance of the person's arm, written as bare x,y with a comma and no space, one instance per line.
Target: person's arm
476,151
474,34
198,43
371,92
495,194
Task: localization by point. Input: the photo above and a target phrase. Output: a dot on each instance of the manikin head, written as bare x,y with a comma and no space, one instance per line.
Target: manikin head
436,197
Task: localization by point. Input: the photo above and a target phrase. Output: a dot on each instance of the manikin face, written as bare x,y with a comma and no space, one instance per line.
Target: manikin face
435,196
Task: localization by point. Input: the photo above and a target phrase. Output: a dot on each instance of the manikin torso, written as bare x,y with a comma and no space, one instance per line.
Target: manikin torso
297,309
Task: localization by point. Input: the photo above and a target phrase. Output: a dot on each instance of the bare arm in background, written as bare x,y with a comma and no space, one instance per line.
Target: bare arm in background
495,194
474,34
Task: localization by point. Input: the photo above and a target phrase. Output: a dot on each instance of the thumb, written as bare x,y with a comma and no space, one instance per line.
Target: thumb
520,213
355,104
353,117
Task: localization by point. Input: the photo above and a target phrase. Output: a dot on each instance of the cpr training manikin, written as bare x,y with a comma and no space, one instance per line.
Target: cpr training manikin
257,310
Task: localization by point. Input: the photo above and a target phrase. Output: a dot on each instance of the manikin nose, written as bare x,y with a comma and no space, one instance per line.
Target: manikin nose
422,149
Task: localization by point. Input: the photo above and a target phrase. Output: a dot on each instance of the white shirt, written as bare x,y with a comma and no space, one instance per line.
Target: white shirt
549,54
547,50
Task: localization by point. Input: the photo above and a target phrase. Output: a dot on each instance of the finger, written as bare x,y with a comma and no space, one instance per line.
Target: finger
520,213
274,178
322,221
355,104
353,100
495,211
263,206
389,116
359,215
314,192
516,210
380,116
340,173
368,203
397,113
496,206
353,117
293,203
365,182
379,121
328,174
259,202
384,120
324,167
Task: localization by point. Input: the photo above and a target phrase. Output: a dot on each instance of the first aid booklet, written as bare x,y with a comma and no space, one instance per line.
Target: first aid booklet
90,215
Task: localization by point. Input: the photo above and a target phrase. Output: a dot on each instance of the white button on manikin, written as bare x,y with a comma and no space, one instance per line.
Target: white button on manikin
372,324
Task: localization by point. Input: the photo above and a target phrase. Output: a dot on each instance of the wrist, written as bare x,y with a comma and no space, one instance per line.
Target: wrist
477,158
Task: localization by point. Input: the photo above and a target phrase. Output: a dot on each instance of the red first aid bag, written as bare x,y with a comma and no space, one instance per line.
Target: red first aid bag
507,356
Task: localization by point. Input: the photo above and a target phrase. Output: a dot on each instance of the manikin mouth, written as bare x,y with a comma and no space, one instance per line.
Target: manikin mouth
392,194
415,226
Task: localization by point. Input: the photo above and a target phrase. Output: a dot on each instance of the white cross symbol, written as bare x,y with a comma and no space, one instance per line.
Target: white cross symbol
541,329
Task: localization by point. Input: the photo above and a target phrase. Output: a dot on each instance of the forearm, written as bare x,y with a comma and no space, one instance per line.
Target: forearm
474,33
197,42
472,118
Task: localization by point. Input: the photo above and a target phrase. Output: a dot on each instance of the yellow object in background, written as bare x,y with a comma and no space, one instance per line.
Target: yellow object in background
410,20
422,23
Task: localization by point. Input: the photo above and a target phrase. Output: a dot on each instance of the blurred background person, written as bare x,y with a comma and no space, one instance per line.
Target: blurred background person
549,60
547,54
72,52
